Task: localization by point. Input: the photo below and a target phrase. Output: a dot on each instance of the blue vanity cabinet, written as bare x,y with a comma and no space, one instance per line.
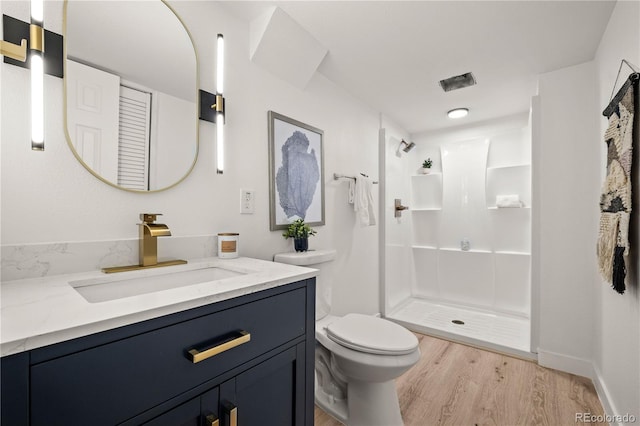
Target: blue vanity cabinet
145,373
267,394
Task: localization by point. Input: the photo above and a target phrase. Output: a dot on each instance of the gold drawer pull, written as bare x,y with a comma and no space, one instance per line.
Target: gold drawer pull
231,412
197,356
212,420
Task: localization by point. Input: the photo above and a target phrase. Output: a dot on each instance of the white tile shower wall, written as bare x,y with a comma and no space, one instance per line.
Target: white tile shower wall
466,278
463,194
500,239
509,148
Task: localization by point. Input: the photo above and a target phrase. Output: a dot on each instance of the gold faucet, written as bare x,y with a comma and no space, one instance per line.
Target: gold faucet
148,245
149,231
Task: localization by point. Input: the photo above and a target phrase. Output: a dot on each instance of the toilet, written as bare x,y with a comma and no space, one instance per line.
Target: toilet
358,357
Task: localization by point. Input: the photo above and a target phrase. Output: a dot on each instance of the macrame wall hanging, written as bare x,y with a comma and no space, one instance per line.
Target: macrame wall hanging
616,199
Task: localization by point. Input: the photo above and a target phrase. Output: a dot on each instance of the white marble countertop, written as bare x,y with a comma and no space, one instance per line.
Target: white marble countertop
41,311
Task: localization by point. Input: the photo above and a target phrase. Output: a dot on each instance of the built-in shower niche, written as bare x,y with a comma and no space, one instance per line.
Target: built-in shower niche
509,175
512,180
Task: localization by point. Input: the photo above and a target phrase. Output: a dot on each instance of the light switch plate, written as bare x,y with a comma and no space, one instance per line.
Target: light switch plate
247,201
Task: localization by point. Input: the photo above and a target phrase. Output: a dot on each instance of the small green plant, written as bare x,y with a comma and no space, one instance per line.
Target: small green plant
298,229
426,164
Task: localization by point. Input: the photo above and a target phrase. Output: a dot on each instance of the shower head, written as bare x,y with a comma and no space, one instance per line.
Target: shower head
408,147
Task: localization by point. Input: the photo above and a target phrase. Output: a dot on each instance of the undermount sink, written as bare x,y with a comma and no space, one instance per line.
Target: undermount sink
129,284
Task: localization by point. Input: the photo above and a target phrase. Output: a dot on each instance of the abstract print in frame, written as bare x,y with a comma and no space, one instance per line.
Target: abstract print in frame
296,172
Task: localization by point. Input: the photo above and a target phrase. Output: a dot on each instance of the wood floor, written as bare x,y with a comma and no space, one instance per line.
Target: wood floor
453,384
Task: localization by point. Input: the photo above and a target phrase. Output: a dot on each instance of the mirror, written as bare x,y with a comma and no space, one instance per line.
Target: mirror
130,92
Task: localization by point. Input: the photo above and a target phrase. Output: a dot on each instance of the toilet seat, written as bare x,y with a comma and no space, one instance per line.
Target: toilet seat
371,335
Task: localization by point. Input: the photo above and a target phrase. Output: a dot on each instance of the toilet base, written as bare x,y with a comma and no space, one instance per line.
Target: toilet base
335,408
368,404
373,404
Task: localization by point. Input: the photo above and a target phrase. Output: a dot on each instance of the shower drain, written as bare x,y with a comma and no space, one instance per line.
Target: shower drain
458,322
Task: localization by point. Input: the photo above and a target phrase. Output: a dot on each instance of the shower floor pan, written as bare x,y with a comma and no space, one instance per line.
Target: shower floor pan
502,333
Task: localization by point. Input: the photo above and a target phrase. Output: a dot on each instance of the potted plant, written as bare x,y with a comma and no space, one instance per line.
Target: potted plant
426,166
299,231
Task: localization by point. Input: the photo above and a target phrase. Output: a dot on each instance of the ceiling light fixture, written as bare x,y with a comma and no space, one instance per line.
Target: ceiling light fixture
458,113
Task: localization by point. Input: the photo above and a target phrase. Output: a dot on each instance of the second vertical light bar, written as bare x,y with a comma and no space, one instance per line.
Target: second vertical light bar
220,105
36,55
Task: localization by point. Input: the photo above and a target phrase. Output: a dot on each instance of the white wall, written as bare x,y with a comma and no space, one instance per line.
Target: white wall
568,186
173,121
617,317
50,197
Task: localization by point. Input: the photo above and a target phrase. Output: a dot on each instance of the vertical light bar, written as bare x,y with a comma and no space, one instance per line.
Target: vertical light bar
220,142
220,65
220,105
36,54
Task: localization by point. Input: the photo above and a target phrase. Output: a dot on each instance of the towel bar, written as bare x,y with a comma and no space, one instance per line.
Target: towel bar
337,176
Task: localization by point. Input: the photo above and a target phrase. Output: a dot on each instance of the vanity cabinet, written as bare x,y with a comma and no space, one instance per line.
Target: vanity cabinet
262,395
249,358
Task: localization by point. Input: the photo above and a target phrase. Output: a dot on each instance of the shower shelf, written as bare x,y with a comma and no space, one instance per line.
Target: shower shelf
427,175
508,252
509,166
466,251
508,208
515,253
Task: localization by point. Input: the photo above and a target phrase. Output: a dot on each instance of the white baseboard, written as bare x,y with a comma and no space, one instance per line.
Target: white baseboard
603,393
585,368
567,363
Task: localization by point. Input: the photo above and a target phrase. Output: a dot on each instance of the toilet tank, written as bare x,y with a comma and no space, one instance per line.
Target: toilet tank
321,260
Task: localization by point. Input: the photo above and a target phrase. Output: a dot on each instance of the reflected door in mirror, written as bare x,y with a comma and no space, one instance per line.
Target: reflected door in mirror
143,50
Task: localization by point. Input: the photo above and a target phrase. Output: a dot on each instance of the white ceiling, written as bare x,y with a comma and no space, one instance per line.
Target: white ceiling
160,56
392,54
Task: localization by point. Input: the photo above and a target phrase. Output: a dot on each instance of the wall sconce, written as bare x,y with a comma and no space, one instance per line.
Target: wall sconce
212,107
36,44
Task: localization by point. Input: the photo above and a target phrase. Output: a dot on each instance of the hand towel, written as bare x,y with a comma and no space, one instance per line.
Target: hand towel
352,191
512,200
363,204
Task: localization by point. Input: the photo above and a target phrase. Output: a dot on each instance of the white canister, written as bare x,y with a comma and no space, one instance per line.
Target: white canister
228,245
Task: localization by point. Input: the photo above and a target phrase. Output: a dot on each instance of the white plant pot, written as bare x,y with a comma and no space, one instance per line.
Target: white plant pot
425,171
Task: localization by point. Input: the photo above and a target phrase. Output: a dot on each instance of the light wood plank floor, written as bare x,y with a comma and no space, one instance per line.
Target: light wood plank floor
454,384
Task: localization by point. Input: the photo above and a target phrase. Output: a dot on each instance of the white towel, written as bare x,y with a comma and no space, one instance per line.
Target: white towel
352,191
512,200
363,204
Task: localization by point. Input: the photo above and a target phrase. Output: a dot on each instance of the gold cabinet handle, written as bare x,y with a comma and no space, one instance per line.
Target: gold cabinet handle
212,420
232,412
196,356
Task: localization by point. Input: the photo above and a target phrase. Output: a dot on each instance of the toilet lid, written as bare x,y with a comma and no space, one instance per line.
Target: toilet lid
372,335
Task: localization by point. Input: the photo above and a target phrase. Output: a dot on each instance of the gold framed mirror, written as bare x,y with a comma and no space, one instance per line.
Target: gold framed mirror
131,92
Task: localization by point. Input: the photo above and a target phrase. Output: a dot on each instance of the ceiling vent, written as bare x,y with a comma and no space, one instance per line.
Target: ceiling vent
458,82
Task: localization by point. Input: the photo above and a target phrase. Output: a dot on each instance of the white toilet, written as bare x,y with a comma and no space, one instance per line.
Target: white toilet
358,357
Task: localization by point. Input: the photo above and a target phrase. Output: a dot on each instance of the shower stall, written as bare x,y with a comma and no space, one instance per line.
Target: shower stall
457,262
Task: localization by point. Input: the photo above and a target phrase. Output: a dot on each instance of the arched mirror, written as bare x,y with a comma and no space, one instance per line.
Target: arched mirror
131,91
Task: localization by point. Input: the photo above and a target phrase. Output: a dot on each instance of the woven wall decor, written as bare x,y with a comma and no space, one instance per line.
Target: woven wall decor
615,200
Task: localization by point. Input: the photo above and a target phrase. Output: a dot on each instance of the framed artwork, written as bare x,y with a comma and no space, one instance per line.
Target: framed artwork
296,172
